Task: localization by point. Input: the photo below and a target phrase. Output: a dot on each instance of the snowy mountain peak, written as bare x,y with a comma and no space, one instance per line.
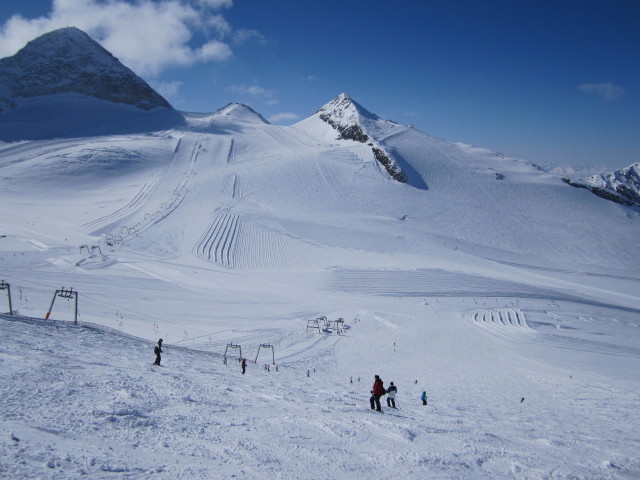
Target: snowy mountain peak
343,110
354,122
621,186
69,61
242,112
66,42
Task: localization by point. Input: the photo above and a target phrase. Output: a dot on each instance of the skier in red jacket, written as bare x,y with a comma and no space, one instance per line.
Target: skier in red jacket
376,392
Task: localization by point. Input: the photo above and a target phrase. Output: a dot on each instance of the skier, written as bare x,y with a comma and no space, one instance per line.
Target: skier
244,365
424,398
376,392
391,395
158,350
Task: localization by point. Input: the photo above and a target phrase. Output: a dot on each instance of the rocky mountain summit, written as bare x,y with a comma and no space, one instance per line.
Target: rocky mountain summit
621,186
69,61
354,122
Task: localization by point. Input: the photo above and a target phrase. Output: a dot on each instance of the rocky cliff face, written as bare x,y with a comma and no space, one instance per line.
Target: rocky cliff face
621,186
351,121
69,61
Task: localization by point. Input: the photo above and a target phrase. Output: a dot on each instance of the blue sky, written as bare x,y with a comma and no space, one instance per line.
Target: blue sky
553,82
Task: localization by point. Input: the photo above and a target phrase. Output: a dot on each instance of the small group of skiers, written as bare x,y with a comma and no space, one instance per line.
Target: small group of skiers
378,391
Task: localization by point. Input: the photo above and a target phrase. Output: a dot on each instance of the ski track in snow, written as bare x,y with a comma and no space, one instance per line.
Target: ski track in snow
430,282
122,212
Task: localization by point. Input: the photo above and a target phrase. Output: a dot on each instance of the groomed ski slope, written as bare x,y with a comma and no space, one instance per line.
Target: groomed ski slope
486,289
77,402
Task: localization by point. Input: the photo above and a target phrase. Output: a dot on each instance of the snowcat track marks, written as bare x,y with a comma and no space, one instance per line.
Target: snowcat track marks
511,324
218,243
167,195
122,212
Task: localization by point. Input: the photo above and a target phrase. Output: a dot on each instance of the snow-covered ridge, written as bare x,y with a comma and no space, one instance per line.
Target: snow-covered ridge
69,61
242,112
354,122
621,186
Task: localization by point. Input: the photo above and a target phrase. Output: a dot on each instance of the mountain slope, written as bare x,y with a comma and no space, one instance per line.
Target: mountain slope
296,201
78,402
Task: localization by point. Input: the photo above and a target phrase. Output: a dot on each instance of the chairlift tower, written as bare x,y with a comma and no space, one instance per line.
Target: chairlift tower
68,294
233,346
273,354
7,287
313,324
337,323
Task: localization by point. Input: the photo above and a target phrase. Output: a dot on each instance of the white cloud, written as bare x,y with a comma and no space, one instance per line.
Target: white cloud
214,50
148,36
217,3
283,117
251,90
244,35
607,90
167,89
218,23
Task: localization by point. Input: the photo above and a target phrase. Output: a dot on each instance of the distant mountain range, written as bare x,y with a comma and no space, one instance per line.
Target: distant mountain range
621,186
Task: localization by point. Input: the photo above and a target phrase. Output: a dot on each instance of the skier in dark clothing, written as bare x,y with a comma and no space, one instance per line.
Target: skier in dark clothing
391,395
244,365
376,392
424,398
158,350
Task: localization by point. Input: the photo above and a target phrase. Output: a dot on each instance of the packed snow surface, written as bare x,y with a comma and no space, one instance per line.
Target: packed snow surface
511,298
